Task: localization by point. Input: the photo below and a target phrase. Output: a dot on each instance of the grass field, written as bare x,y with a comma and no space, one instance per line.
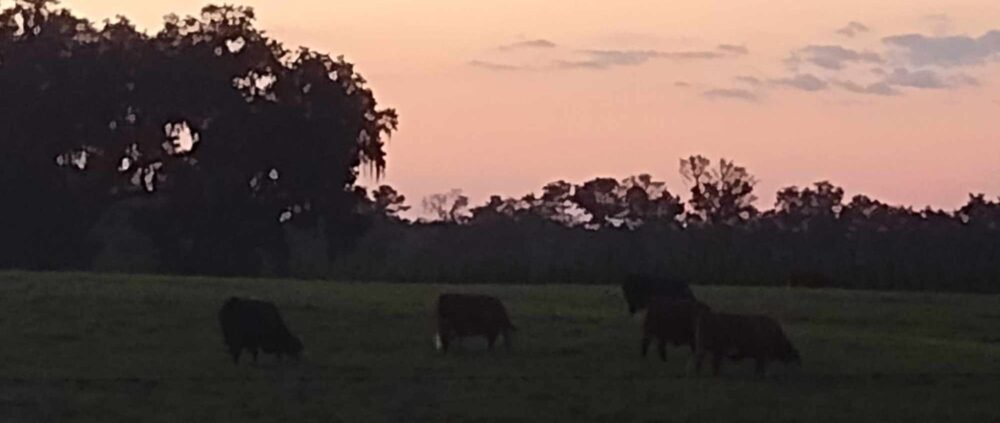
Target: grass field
81,347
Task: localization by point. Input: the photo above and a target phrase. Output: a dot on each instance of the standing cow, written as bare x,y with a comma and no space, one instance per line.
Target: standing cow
671,321
464,315
739,336
255,325
639,290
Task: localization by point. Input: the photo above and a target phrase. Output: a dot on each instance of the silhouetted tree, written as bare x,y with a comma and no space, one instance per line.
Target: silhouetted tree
598,197
720,195
981,213
649,201
237,135
801,209
450,207
555,203
632,202
385,201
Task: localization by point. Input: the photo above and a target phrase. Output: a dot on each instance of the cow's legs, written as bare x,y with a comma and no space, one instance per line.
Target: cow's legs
508,341
445,339
662,348
490,340
699,356
716,363
760,366
235,352
444,335
254,352
645,344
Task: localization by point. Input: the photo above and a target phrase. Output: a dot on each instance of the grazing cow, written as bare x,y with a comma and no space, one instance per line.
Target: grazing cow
738,336
255,326
639,290
671,321
463,315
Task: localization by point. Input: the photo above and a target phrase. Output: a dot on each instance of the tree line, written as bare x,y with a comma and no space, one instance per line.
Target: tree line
602,230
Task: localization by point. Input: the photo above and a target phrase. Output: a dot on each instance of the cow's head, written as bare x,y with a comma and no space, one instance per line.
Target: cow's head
636,292
294,347
790,355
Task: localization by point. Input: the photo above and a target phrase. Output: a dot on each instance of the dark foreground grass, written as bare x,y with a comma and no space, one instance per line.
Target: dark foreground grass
119,348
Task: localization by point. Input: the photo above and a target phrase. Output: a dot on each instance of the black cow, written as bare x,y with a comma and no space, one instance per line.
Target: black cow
256,325
671,321
463,315
740,336
640,289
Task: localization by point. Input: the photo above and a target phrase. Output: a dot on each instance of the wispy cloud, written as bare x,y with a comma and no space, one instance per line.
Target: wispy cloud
529,44
964,80
495,66
888,82
905,63
733,49
601,59
833,57
928,79
752,81
925,79
958,50
804,82
878,88
730,94
852,29
682,84
604,59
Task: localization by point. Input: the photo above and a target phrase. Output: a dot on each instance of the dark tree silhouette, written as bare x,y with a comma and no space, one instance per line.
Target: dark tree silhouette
387,202
598,197
800,210
633,201
228,134
498,209
649,201
723,194
450,207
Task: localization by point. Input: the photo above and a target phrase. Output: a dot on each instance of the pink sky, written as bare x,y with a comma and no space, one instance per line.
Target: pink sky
500,97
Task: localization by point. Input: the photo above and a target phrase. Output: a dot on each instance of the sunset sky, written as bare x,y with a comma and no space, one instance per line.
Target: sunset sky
896,99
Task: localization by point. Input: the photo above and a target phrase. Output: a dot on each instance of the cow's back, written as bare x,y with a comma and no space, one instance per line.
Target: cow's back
469,314
747,335
640,290
723,332
253,323
673,320
274,334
